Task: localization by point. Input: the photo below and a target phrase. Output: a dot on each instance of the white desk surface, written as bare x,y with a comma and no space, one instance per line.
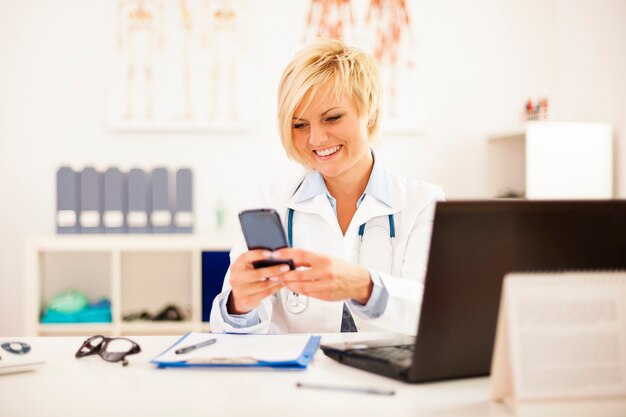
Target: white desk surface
90,387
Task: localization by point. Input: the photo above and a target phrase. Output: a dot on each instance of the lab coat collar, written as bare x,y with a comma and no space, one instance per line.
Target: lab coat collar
312,186
311,197
378,186
381,197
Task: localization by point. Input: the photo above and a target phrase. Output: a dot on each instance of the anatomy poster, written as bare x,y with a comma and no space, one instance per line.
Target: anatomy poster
388,29
177,65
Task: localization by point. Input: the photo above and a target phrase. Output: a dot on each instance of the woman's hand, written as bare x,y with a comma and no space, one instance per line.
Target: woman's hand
250,286
325,277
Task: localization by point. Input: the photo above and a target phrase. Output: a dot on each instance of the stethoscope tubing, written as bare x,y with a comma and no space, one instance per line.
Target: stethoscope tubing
392,227
297,303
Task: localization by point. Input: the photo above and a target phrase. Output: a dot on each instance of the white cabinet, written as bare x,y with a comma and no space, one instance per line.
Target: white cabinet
137,273
552,160
506,170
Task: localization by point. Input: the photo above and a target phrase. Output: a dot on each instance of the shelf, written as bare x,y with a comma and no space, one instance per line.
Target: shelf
172,327
154,279
141,242
87,272
74,329
135,328
135,272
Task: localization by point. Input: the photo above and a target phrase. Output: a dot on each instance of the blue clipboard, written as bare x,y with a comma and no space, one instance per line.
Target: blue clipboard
299,363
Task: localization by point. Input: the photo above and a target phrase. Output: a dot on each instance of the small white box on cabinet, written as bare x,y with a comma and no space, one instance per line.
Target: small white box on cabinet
552,161
566,160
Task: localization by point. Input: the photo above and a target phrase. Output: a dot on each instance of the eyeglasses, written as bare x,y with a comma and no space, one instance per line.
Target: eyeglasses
111,349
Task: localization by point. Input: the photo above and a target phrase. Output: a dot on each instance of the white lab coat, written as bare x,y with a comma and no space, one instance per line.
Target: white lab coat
315,228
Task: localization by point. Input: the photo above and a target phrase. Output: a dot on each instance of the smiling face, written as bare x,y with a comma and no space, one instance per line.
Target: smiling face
331,137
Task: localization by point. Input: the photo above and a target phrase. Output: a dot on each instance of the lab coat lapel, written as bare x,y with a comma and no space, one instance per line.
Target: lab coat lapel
316,205
370,208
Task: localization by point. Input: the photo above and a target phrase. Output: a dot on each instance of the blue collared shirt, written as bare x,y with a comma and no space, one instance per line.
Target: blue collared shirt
313,185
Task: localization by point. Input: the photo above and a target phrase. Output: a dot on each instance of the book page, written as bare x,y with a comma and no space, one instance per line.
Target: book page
567,334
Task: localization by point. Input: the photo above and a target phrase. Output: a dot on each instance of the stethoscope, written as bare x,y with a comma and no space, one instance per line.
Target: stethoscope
297,303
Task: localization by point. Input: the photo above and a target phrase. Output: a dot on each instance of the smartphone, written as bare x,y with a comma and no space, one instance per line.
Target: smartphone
262,229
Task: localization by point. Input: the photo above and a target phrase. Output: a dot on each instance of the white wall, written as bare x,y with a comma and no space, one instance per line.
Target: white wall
590,69
480,60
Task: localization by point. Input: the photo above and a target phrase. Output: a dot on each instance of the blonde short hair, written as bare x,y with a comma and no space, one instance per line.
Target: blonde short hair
351,70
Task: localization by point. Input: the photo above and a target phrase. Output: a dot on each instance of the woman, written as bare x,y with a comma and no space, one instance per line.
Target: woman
360,234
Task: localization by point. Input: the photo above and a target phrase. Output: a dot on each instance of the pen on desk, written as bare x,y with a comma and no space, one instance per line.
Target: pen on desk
363,390
188,349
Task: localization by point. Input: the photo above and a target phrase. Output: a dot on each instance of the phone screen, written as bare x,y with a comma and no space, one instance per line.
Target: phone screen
262,229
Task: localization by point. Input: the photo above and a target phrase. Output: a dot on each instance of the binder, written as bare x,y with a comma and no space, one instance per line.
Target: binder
68,201
115,206
90,216
138,201
214,267
289,352
183,211
161,215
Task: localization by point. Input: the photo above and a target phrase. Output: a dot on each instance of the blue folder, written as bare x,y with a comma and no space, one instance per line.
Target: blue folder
68,200
115,201
183,211
297,363
91,196
161,216
137,217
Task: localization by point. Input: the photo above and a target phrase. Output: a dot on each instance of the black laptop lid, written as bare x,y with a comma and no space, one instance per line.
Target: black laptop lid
474,244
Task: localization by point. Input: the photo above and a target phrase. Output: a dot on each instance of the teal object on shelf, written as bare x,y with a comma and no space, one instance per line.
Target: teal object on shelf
86,315
73,307
70,301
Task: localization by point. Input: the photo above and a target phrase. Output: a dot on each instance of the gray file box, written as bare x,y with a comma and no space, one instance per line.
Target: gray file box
137,217
115,206
161,215
91,196
183,212
68,201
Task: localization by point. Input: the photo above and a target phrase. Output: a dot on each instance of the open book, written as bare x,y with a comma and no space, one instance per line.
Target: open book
561,336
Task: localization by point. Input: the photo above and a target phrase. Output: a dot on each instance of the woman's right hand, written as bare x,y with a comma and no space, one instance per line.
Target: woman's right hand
250,286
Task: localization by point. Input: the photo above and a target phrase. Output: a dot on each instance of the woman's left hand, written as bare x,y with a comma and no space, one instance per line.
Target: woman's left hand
325,277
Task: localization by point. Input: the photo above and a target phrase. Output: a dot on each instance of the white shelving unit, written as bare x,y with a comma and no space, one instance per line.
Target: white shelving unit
506,164
553,160
136,272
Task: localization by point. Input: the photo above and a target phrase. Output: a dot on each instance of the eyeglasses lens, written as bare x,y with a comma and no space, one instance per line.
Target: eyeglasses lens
91,345
116,349
118,345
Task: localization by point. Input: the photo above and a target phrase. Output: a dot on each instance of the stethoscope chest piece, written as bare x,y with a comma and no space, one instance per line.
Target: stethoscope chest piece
296,303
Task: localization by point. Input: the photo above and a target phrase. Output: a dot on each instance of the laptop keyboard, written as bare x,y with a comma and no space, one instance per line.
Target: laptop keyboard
401,354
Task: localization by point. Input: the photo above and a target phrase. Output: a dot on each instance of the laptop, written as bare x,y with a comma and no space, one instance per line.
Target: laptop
473,245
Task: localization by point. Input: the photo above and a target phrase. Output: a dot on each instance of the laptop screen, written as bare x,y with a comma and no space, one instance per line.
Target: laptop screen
474,244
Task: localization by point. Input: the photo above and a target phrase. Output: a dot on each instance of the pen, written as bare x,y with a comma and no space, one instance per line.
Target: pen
188,349
363,390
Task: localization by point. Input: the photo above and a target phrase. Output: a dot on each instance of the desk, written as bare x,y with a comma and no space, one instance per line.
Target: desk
69,387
